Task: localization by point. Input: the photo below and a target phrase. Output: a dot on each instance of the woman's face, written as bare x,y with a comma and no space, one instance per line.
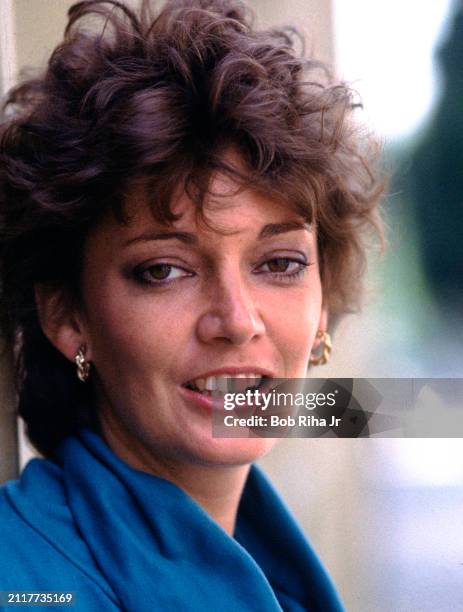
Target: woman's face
168,306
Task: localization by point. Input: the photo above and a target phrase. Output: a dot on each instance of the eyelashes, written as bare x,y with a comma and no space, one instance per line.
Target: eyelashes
285,268
159,274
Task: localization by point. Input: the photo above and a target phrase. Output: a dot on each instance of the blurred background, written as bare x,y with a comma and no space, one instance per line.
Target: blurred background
385,515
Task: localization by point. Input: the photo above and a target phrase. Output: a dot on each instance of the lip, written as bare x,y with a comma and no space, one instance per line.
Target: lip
205,402
233,371
211,404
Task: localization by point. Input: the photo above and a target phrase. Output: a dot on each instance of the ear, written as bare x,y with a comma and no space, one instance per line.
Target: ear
60,320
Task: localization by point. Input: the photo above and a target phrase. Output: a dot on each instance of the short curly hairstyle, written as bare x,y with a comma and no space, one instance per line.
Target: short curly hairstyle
157,99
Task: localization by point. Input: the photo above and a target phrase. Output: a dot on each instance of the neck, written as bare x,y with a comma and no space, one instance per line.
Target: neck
217,489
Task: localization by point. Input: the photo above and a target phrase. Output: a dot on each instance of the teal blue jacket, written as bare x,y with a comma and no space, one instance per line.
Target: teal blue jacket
121,539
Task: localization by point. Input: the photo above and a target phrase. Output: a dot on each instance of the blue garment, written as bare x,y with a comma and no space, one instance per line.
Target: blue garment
121,539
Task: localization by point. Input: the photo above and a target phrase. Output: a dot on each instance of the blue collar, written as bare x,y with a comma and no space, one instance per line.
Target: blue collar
150,546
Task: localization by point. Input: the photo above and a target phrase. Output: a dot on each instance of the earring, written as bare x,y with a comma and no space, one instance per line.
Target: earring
326,351
83,366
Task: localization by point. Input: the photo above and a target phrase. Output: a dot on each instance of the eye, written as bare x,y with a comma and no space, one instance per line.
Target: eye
281,264
159,273
283,267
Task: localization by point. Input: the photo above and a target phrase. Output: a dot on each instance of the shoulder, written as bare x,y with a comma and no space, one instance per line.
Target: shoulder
40,548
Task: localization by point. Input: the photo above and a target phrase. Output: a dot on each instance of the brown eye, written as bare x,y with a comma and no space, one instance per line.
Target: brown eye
280,264
159,271
283,268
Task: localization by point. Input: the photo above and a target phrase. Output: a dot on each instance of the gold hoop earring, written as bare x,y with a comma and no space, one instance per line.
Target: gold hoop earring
83,366
326,350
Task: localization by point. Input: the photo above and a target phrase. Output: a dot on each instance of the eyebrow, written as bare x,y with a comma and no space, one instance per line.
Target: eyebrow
273,229
270,229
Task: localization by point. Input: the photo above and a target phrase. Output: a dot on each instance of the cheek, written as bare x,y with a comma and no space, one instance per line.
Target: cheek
134,332
296,317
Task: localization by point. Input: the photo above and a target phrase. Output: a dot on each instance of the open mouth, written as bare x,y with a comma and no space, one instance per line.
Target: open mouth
215,386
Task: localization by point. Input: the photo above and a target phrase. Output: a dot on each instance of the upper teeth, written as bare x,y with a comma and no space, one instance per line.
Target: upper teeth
220,383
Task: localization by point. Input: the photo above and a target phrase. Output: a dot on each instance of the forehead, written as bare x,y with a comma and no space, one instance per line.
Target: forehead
227,208
235,220
230,213
225,212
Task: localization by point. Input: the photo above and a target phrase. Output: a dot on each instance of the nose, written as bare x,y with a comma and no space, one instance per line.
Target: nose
231,315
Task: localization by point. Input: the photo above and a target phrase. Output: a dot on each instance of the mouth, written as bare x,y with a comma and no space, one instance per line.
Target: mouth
216,386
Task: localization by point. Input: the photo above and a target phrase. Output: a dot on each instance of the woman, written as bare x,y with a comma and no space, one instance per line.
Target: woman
183,200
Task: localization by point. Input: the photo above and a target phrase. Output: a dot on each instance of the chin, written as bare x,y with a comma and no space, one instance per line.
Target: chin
234,451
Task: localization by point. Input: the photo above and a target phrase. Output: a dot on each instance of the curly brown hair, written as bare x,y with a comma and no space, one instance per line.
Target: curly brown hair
158,99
